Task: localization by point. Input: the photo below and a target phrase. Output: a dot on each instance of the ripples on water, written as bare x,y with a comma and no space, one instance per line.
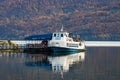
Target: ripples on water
101,63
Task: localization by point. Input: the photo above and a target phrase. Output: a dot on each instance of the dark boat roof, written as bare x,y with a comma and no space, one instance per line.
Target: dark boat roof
39,37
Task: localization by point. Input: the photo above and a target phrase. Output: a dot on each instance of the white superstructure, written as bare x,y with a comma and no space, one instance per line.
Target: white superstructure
61,40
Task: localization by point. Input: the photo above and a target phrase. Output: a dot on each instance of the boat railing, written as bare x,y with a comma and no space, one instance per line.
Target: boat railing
77,39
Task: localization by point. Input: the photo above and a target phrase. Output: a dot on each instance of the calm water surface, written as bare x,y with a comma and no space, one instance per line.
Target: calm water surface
97,63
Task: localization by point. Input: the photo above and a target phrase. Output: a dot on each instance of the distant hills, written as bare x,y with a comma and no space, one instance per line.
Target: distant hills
92,19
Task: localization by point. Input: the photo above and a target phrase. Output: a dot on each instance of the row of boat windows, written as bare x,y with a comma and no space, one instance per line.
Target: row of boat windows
72,45
59,35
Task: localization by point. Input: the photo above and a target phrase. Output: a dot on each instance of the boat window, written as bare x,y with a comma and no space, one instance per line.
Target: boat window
54,68
61,35
54,35
57,35
61,67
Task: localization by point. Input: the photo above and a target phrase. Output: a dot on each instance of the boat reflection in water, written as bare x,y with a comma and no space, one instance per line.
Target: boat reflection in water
62,63
56,63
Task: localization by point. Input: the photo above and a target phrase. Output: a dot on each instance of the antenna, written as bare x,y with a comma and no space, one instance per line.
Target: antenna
61,28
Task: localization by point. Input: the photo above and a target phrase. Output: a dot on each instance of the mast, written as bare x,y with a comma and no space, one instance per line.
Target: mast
61,28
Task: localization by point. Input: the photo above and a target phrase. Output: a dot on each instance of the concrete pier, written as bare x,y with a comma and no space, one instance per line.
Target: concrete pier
102,43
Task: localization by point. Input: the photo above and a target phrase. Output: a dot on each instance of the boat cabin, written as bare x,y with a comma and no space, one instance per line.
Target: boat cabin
63,36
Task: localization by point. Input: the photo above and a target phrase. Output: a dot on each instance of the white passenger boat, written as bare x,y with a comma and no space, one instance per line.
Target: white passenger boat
57,42
61,41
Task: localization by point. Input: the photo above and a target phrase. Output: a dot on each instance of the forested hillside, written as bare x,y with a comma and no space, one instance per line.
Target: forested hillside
92,19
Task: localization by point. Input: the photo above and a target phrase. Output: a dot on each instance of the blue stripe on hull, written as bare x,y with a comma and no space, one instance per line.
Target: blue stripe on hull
60,49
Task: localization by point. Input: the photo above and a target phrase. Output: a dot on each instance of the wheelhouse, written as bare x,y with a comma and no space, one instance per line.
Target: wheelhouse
60,35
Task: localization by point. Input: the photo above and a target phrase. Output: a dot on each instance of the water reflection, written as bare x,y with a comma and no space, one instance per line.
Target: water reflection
97,63
12,54
55,63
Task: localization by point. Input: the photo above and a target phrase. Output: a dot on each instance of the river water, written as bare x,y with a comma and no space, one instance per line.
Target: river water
96,63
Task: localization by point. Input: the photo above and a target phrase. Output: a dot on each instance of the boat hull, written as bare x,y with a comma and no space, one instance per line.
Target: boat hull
63,49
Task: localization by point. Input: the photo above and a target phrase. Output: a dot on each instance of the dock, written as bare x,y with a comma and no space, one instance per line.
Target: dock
18,44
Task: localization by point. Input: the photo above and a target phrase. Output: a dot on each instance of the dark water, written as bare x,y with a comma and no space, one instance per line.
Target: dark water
101,63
